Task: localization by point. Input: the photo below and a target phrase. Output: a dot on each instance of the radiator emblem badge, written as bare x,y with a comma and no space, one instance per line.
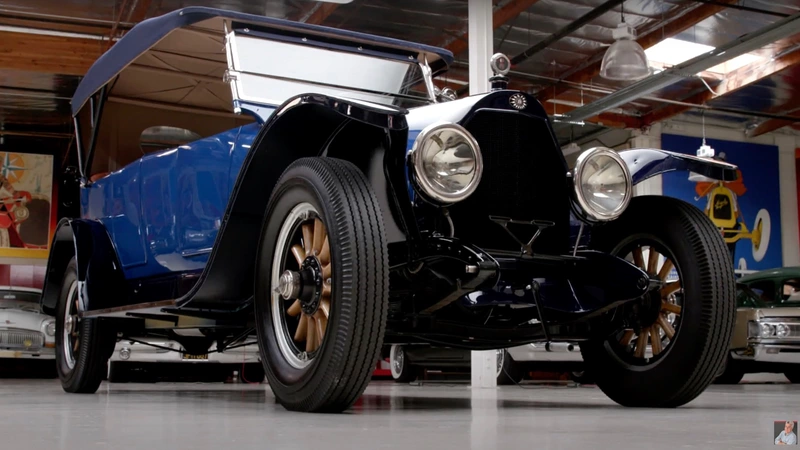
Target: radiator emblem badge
518,101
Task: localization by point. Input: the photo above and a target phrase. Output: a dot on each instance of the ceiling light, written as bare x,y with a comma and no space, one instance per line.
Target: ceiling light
671,52
625,60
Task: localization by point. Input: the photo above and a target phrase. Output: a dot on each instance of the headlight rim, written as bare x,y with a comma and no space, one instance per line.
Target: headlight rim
585,207
422,184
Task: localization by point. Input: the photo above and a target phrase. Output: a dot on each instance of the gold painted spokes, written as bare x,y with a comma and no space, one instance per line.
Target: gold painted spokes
311,327
662,328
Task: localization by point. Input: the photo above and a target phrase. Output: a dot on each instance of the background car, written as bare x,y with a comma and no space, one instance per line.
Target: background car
767,334
26,334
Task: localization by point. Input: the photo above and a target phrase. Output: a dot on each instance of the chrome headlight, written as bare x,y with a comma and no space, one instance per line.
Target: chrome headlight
446,162
49,327
602,183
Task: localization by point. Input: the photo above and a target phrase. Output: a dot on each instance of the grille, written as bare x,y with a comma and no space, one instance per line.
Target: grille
20,339
524,178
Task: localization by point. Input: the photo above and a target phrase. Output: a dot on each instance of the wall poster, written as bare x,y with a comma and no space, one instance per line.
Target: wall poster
747,209
27,205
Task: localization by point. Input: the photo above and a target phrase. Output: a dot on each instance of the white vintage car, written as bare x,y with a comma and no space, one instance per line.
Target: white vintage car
25,332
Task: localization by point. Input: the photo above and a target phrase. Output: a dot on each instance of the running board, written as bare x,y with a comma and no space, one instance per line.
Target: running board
127,311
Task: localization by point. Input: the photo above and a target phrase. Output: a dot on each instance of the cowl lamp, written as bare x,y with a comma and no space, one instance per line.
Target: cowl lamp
625,60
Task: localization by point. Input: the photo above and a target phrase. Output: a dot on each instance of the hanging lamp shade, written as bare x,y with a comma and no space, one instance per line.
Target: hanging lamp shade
625,60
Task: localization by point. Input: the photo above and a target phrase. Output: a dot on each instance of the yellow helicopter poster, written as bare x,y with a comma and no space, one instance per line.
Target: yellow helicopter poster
747,210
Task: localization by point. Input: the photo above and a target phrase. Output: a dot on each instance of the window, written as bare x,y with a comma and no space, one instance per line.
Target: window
790,287
766,289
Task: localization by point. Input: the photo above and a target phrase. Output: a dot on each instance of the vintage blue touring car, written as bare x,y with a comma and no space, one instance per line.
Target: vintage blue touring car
243,176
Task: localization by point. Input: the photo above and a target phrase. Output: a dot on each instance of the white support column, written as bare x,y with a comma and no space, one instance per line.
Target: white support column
787,179
481,46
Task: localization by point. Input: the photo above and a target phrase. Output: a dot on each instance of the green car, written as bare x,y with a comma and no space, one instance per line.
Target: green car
766,336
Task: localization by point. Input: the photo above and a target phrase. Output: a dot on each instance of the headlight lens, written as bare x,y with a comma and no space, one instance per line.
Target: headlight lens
447,162
767,330
602,183
782,330
50,328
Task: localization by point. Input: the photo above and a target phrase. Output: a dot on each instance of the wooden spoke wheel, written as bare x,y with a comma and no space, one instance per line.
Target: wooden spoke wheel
302,296
654,326
322,293
664,348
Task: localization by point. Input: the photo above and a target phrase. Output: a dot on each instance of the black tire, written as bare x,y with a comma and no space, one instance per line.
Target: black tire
732,374
510,371
96,344
793,375
252,373
690,363
402,370
581,377
342,366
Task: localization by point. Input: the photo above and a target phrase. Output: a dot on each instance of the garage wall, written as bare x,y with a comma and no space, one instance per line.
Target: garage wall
785,223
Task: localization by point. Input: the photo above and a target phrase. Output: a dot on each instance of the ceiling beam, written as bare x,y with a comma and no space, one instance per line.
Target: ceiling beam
47,54
501,15
734,81
590,70
752,41
139,10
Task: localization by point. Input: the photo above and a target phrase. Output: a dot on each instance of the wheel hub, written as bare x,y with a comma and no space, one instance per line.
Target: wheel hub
304,285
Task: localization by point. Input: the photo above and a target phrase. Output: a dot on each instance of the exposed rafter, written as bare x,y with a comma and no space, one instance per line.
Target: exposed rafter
48,54
318,13
734,81
501,15
590,70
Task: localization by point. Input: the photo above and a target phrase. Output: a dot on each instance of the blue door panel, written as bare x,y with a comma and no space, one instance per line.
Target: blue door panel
164,211
113,200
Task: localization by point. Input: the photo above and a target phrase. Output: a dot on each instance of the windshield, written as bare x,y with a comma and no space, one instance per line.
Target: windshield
19,300
268,71
745,297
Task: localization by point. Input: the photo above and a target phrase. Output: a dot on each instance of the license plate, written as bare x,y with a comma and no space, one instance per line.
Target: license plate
195,357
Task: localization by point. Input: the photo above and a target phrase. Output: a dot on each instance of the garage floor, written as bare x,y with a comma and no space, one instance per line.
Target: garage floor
37,415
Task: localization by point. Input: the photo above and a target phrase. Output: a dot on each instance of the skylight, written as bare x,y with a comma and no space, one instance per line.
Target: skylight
671,52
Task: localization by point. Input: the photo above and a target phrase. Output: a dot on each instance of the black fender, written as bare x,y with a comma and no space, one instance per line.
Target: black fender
369,135
102,283
644,163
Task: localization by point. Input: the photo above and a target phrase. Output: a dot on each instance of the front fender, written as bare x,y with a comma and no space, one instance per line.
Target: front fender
644,163
307,125
99,271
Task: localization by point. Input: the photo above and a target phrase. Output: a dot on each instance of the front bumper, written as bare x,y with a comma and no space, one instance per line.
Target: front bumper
127,351
782,353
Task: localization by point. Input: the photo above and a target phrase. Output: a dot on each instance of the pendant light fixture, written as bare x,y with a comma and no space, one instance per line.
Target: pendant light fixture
625,59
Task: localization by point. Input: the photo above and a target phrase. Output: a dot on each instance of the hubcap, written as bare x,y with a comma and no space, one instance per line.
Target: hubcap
301,277
71,339
653,322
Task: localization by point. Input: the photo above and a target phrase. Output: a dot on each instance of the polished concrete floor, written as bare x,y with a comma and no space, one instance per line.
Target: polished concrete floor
37,415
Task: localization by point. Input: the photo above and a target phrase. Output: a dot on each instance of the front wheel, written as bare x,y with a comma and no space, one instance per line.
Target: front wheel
83,346
323,287
664,349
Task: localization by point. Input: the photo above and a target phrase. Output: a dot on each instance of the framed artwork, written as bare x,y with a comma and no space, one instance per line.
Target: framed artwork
27,205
